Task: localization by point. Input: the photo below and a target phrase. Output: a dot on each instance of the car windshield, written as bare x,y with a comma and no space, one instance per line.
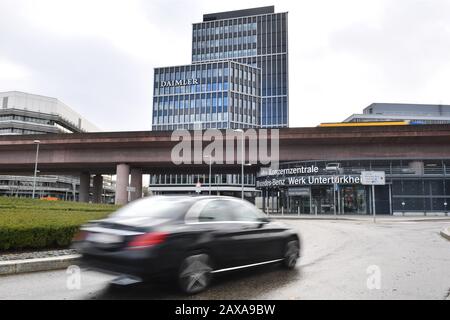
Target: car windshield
156,207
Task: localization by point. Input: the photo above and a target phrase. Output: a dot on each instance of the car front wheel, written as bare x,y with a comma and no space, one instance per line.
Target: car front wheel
195,273
291,254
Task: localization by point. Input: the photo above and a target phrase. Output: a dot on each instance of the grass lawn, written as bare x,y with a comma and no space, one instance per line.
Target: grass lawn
36,224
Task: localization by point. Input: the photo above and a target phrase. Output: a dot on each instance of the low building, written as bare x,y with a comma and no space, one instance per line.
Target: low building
24,113
417,113
412,187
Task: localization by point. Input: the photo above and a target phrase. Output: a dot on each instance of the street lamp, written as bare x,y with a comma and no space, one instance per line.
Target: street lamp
243,158
335,189
37,142
334,167
210,169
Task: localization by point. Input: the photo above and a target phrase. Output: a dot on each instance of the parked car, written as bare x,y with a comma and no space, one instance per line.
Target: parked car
187,238
333,167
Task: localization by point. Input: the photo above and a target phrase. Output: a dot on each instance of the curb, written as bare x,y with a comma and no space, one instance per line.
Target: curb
310,218
368,218
446,233
35,265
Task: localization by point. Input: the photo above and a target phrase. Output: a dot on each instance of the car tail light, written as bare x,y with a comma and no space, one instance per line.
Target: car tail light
147,240
80,236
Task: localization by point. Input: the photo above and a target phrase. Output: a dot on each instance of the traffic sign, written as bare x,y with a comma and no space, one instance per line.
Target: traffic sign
131,189
198,187
373,178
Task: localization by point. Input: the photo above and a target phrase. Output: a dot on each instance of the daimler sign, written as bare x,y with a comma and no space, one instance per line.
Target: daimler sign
179,83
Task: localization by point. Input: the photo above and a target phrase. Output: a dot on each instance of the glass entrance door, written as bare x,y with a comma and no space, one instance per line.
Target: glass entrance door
322,199
354,199
300,202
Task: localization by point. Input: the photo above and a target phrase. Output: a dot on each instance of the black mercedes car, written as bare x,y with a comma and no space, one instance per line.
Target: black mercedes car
188,238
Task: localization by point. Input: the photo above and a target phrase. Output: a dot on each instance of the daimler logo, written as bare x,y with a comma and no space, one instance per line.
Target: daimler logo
179,83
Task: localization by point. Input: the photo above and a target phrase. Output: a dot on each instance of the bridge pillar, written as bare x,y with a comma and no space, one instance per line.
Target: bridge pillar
85,184
123,176
98,188
136,182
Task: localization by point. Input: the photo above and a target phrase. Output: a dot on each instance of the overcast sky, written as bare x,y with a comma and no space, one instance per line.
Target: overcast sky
97,56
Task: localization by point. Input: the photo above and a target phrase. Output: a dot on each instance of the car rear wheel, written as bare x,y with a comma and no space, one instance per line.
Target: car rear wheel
195,273
291,254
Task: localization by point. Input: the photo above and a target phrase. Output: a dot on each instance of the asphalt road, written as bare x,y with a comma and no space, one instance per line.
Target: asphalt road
407,260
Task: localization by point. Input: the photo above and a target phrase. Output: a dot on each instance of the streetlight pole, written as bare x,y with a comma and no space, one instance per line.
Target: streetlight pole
37,142
335,189
334,200
243,159
210,170
374,205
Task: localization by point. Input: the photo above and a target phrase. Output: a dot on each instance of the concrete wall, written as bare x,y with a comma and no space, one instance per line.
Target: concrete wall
102,152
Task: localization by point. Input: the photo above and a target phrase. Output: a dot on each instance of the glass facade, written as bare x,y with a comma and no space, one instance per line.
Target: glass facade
238,79
189,180
260,41
412,186
217,95
221,184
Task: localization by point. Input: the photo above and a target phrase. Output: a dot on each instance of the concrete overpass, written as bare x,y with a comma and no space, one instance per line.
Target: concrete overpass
137,153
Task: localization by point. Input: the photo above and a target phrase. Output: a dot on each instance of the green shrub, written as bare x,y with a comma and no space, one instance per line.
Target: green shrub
27,224
36,238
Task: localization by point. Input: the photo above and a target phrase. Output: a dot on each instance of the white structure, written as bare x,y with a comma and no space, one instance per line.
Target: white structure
41,111
419,113
24,113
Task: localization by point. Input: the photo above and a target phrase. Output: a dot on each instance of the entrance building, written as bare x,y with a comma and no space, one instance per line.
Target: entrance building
415,187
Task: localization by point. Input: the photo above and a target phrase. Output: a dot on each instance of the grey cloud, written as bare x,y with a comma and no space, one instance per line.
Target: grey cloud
411,42
91,76
113,89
